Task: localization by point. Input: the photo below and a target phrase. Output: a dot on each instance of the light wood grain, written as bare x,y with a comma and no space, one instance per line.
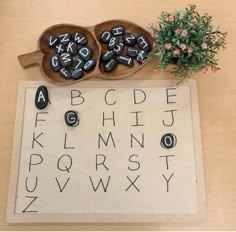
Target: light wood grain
21,24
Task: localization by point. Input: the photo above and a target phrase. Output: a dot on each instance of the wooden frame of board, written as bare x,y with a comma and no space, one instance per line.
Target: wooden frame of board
12,217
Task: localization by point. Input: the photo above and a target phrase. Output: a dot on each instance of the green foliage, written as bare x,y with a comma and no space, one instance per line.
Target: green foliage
187,39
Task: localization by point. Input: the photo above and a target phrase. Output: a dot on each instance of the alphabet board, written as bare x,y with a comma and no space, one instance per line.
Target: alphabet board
135,155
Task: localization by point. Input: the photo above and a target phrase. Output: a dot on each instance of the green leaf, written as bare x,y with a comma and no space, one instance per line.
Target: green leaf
193,32
173,40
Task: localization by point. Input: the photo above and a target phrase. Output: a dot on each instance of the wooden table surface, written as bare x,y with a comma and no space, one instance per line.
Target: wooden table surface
21,23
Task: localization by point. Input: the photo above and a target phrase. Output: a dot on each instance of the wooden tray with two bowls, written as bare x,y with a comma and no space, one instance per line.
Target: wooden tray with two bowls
41,56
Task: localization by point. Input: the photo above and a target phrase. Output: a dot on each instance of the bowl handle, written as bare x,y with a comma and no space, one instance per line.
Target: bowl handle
32,58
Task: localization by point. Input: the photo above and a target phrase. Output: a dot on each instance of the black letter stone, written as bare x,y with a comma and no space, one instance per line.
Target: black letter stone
132,52
168,141
143,43
77,74
64,38
52,41
41,97
71,48
77,63
79,38
71,118
118,48
89,65
110,65
85,53
142,55
65,59
60,48
108,55
65,73
117,30
126,60
54,62
113,42
129,39
105,36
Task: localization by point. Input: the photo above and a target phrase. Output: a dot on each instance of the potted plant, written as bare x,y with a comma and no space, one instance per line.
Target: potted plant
187,39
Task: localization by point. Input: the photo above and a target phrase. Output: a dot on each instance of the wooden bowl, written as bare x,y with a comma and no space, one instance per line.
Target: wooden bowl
42,55
121,71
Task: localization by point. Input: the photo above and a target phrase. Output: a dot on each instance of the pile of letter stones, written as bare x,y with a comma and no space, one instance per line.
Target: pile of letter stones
72,57
123,48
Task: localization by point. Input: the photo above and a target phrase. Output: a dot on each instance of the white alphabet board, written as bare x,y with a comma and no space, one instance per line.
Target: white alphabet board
134,157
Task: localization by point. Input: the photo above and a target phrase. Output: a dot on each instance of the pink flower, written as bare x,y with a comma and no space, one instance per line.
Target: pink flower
184,33
213,38
215,69
171,18
224,41
168,46
176,52
183,46
149,26
181,16
204,45
190,50
192,5
225,34
204,69
194,14
178,31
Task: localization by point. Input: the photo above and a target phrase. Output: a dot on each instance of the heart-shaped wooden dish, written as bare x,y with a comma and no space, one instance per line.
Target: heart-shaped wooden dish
42,56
